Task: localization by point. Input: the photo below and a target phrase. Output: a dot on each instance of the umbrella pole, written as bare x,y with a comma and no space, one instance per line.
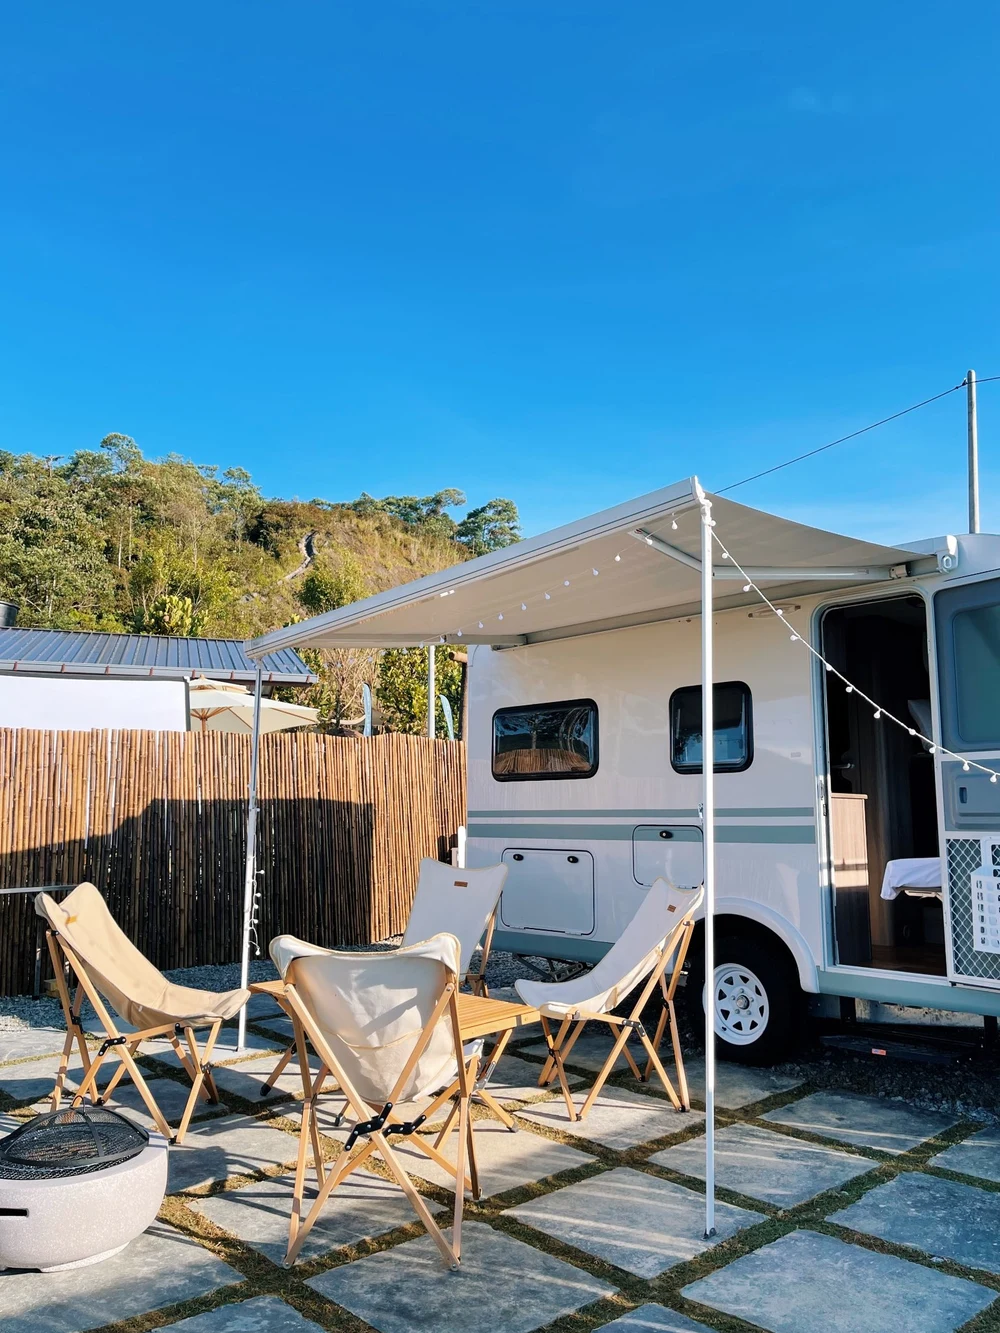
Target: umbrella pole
250,876
708,834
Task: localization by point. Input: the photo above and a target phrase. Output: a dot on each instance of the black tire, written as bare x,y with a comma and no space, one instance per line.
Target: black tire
776,987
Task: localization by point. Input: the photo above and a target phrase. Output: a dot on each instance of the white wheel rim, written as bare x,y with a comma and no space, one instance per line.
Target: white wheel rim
741,1005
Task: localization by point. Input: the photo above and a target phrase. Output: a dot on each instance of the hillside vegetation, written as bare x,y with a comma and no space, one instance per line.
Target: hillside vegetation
110,540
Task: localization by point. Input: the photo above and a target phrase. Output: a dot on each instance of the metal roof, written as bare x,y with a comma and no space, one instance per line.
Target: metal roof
633,564
135,656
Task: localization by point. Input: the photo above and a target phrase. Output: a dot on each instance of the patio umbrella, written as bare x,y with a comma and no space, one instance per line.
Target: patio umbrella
221,706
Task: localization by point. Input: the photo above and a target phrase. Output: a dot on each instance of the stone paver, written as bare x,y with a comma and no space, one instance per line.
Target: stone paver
978,1155
231,1146
171,1098
263,1314
248,1077
502,1284
592,1049
633,1220
619,1118
655,1319
159,1268
363,1206
735,1085
225,1051
867,1122
810,1283
262,1006
278,1025
516,1080
505,1160
30,1080
28,1043
765,1165
942,1217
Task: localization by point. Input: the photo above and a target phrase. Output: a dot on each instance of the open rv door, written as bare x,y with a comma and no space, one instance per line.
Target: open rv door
967,630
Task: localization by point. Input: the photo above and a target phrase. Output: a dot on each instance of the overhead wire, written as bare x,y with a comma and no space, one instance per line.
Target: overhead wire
884,421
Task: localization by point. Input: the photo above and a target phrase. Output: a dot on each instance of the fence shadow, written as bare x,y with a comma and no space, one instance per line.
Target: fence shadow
173,878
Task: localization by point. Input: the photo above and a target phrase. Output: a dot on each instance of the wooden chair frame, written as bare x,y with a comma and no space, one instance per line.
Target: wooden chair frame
376,1128
561,1044
124,1046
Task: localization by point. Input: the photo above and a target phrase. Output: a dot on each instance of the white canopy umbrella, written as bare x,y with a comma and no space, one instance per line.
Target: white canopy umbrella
220,706
577,581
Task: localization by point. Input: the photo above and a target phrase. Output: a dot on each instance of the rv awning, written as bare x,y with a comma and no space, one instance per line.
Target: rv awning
630,565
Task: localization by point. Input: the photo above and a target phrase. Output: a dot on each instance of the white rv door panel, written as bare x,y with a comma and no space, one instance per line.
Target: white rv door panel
548,890
673,851
967,638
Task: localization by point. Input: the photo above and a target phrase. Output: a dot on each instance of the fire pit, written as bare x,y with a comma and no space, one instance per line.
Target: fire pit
76,1186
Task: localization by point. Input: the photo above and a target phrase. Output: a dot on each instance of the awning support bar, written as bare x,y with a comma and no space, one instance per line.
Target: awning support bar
760,573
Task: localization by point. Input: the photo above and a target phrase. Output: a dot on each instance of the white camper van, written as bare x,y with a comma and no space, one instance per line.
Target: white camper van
853,858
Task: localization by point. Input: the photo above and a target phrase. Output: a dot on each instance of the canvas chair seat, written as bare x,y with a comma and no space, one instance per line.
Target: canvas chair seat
109,968
665,917
136,990
459,901
385,1026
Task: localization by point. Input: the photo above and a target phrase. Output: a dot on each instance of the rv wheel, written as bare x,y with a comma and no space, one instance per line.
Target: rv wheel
757,1001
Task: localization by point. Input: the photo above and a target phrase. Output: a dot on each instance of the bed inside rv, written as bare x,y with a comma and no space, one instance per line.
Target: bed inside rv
883,822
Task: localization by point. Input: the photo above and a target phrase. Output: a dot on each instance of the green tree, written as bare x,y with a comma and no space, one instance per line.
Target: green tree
488,528
329,589
402,688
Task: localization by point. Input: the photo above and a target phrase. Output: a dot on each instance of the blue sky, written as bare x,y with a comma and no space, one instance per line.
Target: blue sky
563,252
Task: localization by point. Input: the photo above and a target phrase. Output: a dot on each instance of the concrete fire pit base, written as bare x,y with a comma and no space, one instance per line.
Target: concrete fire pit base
69,1221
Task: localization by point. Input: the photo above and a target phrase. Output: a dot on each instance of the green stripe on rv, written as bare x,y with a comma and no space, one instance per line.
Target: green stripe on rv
736,812
772,833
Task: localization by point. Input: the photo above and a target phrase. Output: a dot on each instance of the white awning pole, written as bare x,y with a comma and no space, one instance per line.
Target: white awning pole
708,831
250,871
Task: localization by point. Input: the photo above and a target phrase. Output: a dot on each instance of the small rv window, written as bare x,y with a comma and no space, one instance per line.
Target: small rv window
545,741
733,728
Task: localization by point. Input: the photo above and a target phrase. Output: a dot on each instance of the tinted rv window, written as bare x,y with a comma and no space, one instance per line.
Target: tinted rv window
733,728
545,741
968,622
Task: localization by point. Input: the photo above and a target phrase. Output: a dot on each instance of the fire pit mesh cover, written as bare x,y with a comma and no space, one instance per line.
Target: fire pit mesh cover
69,1143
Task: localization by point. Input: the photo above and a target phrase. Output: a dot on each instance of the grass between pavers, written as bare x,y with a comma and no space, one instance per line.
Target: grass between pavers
263,1277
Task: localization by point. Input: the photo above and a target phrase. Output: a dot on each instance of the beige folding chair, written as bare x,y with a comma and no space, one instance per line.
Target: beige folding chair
460,901
108,967
666,916
386,1027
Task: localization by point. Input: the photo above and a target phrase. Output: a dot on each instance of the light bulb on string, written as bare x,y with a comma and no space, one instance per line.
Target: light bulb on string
850,689
827,666
965,768
548,597
458,633
993,777
595,572
673,523
524,606
500,616
932,749
912,731
794,638
746,587
618,559
877,714
565,583
480,624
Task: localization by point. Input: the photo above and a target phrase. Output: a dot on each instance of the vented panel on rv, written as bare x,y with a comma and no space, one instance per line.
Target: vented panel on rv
672,850
548,890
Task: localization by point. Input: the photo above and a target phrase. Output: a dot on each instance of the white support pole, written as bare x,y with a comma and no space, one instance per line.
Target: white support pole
970,389
250,869
431,692
708,833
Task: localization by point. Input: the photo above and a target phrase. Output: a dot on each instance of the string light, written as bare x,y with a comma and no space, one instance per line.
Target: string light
566,583
849,688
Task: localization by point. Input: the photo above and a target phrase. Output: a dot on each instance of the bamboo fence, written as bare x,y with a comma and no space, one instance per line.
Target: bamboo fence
157,820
